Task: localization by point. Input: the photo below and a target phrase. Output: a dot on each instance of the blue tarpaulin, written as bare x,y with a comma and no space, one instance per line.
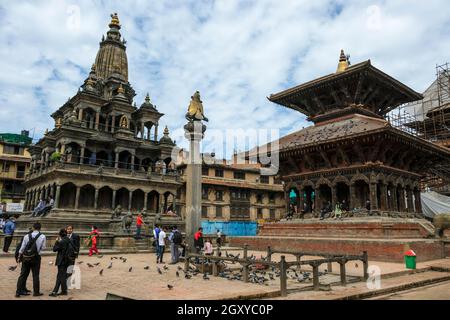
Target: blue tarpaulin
231,228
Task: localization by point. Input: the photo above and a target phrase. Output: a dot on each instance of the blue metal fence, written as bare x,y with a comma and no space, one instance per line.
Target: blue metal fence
231,228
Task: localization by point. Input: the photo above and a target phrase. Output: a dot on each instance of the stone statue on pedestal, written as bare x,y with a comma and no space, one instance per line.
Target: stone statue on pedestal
126,223
117,212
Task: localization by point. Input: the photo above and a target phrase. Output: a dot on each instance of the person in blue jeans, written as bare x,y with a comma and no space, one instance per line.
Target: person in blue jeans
8,231
162,245
156,231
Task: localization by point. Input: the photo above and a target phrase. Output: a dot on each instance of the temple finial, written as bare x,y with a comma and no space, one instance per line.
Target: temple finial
343,62
147,98
166,131
114,20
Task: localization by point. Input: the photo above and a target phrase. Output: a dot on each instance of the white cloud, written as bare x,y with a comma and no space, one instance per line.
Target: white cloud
235,52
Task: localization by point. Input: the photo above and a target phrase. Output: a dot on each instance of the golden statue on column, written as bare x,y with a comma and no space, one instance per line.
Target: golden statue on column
195,109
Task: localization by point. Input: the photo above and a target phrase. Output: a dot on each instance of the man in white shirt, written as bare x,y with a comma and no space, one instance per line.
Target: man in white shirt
161,245
33,264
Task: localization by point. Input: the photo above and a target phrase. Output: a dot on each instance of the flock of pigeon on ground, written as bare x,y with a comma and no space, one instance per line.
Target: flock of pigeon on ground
257,276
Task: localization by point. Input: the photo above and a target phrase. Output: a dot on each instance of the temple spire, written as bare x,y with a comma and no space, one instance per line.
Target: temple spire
343,62
115,23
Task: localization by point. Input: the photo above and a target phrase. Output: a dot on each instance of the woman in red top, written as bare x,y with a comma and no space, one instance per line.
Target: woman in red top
93,237
139,223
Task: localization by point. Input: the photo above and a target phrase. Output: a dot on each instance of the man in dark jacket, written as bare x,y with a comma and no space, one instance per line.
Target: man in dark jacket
74,238
61,247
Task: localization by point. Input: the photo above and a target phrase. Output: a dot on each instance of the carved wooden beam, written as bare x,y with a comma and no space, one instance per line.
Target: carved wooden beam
344,156
375,150
324,156
359,88
294,164
319,104
336,97
310,161
357,148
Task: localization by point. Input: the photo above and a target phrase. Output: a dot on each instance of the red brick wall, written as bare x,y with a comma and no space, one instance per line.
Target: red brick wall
381,250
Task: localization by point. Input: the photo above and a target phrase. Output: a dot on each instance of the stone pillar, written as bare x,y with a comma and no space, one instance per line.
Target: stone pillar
301,203
333,196
317,202
161,203
394,199
130,198
373,196
116,161
145,201
113,123
418,201
113,202
97,120
106,123
142,130
194,131
352,199
132,162
77,198
383,196
82,155
57,195
410,200
401,199
80,114
156,132
96,199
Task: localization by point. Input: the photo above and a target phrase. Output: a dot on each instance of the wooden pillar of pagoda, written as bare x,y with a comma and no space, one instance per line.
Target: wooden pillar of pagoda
383,196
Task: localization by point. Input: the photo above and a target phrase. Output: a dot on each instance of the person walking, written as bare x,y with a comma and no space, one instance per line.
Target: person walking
93,241
161,245
30,256
208,248
219,238
8,231
62,262
175,239
198,242
139,223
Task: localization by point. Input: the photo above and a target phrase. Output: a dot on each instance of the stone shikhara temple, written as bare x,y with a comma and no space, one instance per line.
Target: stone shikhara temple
352,153
104,151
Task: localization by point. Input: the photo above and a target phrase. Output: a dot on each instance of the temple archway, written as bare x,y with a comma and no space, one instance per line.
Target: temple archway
125,160
362,193
122,198
87,197
67,195
137,200
343,195
105,195
153,201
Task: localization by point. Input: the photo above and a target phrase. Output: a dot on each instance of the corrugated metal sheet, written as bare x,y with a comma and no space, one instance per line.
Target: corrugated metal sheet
231,228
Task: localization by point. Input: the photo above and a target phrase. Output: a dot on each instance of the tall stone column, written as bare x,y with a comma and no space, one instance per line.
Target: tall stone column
352,198
156,133
194,131
317,202
77,198
394,199
301,203
333,196
142,130
96,199
132,162
401,199
80,114
418,201
57,195
161,203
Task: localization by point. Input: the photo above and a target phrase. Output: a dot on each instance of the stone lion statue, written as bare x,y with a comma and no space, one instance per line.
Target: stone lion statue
117,212
126,222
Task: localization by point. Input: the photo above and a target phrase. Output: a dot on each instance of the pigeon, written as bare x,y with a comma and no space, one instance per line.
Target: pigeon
96,264
178,274
50,262
131,268
170,287
90,265
100,256
187,276
146,267
101,272
205,276
179,268
166,267
227,254
110,266
159,270
356,265
124,260
12,268
80,262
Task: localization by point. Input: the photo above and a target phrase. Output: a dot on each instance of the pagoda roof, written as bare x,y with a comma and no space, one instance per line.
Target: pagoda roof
360,85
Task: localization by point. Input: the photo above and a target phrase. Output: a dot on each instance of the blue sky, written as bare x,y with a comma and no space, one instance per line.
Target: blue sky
236,53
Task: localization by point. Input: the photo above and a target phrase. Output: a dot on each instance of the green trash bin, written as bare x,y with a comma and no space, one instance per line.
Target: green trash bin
410,259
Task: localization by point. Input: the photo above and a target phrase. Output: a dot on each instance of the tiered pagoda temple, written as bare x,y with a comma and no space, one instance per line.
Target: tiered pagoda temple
104,151
352,153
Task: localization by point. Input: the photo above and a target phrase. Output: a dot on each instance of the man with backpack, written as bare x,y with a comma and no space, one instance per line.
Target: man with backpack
175,241
65,257
30,256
